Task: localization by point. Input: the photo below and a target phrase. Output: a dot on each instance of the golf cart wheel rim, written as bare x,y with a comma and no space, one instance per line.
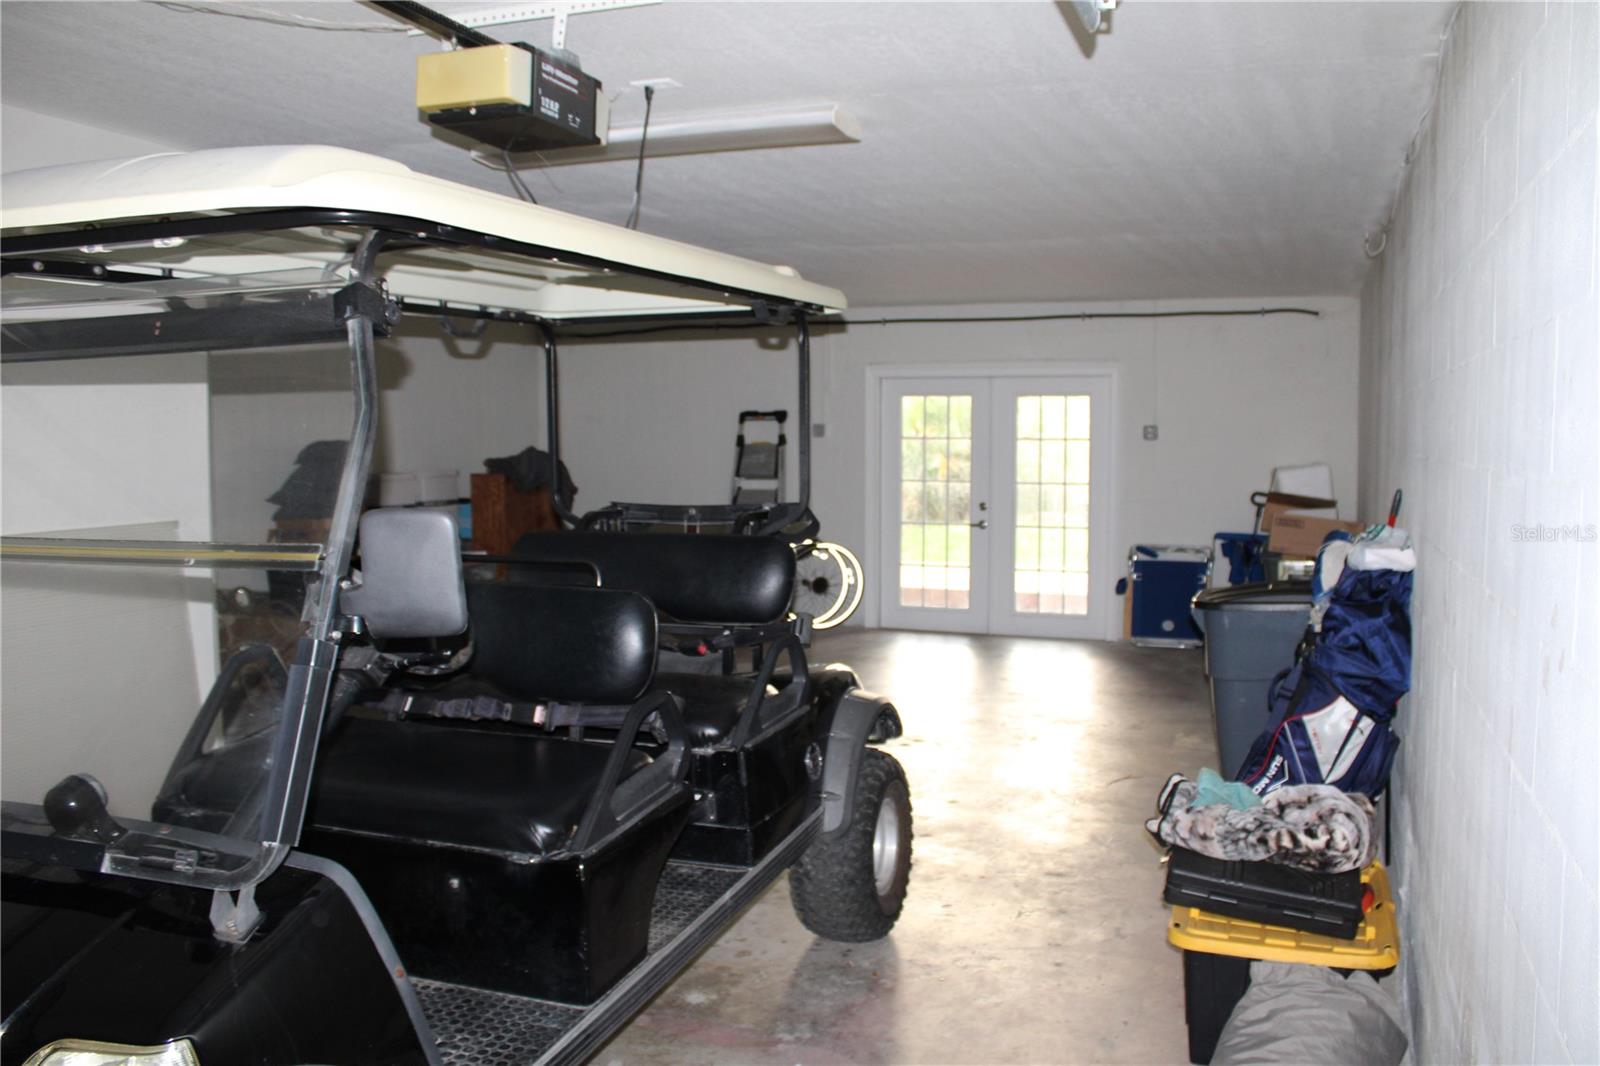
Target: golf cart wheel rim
886,846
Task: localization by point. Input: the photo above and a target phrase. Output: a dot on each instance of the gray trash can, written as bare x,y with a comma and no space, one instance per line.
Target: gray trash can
1251,632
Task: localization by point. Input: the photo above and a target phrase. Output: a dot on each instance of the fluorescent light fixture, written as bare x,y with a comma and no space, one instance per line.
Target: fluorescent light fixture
692,135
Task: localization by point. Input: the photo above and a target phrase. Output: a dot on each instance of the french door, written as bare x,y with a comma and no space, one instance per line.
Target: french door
995,504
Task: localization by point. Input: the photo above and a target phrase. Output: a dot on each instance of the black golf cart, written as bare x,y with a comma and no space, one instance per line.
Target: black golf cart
428,811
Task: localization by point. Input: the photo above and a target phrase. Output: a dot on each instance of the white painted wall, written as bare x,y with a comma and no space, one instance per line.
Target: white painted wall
1479,354
104,668
266,406
1233,398
113,443
79,448
29,139
449,404
442,405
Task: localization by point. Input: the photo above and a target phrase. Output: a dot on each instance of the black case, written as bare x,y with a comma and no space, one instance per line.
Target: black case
1265,892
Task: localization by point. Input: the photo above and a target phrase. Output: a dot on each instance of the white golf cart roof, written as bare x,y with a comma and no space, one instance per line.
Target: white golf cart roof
503,253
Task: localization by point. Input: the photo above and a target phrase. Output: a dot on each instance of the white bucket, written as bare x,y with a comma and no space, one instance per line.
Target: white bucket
1312,479
438,486
397,490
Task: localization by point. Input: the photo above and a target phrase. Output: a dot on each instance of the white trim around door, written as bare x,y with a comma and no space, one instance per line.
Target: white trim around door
995,601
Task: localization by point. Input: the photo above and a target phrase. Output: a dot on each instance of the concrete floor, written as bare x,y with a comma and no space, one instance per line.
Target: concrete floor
1033,931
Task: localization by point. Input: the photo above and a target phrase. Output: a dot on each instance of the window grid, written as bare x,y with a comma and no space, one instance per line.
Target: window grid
936,501
1050,573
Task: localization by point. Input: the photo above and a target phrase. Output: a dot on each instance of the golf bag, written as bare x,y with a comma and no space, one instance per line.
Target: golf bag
1331,714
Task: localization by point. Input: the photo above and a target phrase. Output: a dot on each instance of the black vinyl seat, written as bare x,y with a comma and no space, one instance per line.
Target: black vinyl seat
501,787
468,835
563,643
692,577
502,790
697,578
712,703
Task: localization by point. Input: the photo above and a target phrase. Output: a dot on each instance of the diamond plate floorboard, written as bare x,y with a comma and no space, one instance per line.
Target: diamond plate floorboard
477,1027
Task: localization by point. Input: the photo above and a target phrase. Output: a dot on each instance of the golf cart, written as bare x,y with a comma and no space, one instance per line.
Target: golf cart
429,810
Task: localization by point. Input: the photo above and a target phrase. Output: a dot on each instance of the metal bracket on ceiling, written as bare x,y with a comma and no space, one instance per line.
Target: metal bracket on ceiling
772,314
500,14
472,332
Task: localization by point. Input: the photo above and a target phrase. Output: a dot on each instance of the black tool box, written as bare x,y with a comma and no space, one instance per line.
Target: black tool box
1330,904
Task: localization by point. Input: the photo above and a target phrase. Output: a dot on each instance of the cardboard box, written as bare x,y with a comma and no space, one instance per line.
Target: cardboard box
1280,503
1303,534
1296,525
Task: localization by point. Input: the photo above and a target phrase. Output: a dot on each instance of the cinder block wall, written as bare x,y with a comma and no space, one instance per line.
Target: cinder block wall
1479,356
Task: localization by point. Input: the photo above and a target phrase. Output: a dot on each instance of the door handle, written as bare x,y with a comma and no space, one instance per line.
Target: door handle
982,523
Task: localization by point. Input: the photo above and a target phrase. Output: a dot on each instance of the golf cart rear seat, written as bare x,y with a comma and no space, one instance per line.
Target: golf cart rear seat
718,592
708,578
464,833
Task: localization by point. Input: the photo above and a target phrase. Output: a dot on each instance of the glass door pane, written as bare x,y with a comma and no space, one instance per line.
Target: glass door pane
1050,570
935,500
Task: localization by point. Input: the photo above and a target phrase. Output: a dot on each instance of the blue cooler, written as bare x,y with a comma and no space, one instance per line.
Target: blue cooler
1163,580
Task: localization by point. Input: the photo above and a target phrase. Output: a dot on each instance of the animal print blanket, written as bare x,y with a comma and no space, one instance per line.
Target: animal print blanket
1311,827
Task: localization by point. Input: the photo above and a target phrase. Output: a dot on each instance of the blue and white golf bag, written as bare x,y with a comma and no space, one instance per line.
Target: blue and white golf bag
1331,714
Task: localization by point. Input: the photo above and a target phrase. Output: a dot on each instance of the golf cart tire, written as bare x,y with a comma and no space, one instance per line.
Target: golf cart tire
834,887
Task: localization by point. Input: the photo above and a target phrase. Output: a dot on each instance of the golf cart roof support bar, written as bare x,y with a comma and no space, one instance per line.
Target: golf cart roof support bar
295,318
360,322
316,657
803,341
602,327
552,421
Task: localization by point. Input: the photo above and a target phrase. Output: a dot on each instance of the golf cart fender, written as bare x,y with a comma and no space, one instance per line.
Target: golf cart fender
857,718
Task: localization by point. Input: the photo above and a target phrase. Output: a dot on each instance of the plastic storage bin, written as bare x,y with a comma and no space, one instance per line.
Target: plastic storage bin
1376,945
1251,632
1162,581
1217,953
1212,986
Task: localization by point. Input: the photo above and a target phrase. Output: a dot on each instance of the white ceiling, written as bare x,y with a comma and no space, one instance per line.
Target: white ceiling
1203,150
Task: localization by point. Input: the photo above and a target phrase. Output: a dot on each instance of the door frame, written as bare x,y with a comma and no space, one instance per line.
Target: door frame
1102,556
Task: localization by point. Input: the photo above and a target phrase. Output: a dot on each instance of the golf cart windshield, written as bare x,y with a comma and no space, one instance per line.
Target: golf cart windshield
189,417
165,514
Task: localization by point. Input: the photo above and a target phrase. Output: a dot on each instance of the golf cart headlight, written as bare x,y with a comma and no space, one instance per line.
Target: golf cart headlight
95,1053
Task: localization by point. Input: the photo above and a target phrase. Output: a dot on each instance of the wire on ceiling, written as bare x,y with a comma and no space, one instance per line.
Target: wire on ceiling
518,186
638,178
1075,316
278,18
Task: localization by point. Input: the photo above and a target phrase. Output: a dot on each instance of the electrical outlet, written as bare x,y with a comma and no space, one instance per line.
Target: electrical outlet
1151,433
819,429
